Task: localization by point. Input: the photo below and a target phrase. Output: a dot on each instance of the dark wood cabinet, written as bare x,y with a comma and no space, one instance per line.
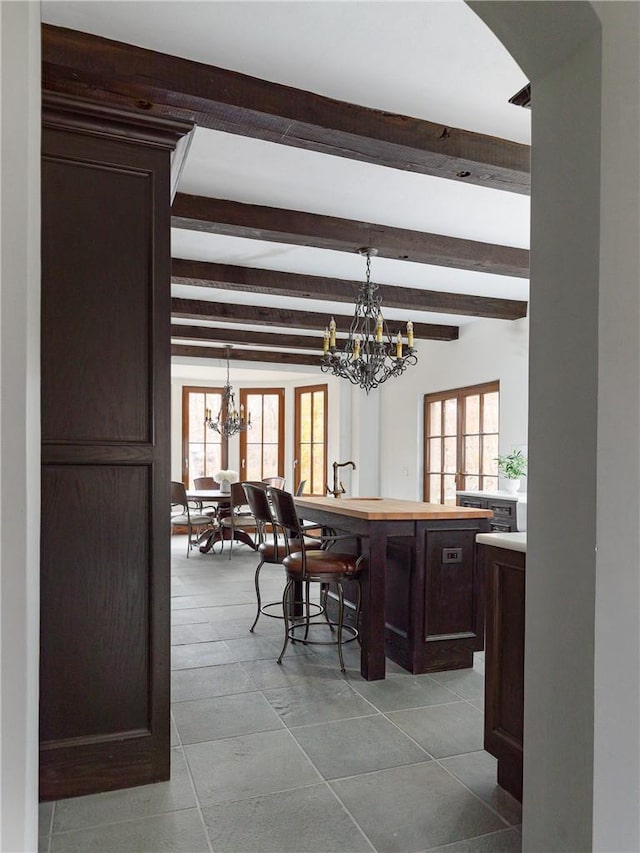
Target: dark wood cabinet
104,657
504,662
505,518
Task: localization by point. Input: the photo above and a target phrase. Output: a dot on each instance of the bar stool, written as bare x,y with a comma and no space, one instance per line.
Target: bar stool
318,565
270,552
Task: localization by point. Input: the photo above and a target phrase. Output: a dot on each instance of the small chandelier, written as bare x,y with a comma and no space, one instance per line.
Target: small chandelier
370,355
229,420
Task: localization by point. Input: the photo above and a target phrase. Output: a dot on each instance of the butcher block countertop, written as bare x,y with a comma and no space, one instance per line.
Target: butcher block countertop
388,509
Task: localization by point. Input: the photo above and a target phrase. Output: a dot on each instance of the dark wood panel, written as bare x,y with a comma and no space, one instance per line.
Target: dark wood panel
449,601
504,663
294,227
134,78
95,661
196,309
104,690
294,285
92,292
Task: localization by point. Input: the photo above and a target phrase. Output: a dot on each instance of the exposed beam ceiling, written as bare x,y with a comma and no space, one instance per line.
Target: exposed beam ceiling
194,309
247,355
293,227
293,285
132,77
244,336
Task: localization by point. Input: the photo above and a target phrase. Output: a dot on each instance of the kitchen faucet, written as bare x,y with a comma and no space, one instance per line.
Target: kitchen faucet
338,488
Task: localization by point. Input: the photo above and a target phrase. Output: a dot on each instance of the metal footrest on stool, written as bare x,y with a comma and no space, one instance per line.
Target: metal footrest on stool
348,629
318,611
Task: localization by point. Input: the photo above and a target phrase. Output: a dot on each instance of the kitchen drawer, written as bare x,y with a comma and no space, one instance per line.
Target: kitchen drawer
503,510
500,527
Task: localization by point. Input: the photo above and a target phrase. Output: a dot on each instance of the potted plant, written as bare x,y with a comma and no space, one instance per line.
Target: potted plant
512,467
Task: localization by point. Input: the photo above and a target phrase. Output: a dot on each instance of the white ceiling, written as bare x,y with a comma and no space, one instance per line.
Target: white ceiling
432,60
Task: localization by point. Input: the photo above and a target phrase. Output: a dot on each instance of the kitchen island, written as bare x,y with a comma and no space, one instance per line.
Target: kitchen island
422,591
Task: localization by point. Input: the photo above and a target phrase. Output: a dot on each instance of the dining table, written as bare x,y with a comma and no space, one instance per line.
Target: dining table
421,589
209,538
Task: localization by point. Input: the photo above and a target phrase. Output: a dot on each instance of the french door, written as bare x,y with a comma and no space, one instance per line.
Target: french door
310,442
262,446
461,431
204,451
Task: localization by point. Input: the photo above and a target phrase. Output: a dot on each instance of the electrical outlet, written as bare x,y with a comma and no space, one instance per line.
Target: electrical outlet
452,555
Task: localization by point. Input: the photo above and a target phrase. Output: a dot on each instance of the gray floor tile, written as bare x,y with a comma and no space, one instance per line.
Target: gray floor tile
200,632
231,612
309,819
224,716
128,803
187,616
208,681
507,841
45,813
443,730
399,691
194,655
253,647
174,740
308,703
248,766
296,669
478,771
478,703
467,683
414,808
230,629
184,602
44,842
179,832
379,745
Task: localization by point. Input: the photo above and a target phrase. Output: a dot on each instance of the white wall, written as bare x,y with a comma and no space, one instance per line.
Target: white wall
19,423
582,653
485,351
339,438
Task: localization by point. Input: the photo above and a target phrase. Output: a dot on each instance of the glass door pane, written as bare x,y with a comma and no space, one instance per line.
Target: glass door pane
310,439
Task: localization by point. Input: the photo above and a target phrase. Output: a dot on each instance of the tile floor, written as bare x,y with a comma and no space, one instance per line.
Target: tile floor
296,758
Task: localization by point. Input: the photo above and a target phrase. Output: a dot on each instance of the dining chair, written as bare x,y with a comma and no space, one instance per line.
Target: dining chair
320,565
184,514
276,482
207,483
300,489
240,522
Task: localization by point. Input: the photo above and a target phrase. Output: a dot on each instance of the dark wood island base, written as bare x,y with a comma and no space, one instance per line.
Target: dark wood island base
422,591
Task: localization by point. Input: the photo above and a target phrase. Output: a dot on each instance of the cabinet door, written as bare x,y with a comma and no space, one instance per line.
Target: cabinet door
104,659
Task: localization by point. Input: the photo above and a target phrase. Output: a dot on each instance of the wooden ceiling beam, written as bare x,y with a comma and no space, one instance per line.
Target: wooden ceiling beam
227,335
277,225
266,356
194,309
295,286
137,79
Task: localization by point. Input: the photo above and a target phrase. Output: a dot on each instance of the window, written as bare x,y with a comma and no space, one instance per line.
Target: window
461,441
310,441
204,453
262,446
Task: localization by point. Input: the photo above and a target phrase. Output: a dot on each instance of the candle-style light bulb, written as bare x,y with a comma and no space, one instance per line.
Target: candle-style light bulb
399,346
410,334
379,328
356,347
325,342
332,333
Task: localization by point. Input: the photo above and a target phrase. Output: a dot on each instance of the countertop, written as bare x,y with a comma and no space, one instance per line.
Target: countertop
510,541
521,497
388,509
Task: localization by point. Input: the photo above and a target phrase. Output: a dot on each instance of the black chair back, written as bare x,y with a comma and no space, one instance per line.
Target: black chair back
179,495
284,512
257,499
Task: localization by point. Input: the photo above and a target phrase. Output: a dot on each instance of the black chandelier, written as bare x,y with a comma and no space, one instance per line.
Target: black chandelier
370,355
229,420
